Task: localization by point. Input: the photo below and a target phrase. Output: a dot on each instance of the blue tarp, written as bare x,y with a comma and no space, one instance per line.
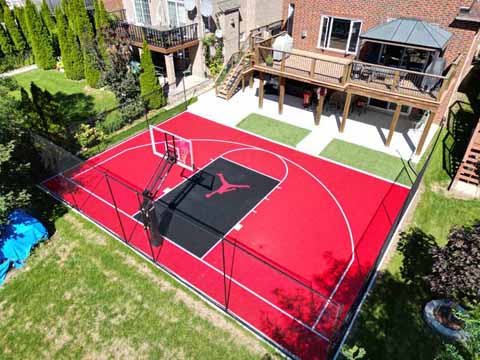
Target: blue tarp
17,239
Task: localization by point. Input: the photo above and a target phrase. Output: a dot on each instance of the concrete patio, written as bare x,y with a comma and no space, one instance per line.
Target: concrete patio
369,129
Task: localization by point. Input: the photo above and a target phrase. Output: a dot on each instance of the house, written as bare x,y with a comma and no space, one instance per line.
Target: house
174,30
402,58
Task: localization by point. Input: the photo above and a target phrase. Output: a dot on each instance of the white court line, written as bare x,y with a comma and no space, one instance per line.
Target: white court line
316,332
247,146
258,203
330,298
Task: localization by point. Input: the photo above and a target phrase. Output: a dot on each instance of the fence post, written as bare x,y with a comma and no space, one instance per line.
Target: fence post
116,207
225,292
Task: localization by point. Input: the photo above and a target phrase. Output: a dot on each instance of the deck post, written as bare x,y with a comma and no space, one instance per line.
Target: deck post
261,90
347,69
313,64
393,125
250,80
243,83
423,138
282,64
346,111
281,98
396,80
319,109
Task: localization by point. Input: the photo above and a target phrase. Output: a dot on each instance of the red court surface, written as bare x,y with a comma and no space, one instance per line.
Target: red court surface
292,266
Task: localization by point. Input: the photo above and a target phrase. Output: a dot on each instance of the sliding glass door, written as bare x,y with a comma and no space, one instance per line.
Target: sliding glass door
339,34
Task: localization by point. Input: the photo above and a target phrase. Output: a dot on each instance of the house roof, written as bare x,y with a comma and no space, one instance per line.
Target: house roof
228,5
471,13
412,32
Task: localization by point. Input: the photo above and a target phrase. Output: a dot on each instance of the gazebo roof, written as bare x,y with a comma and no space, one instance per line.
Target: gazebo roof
411,32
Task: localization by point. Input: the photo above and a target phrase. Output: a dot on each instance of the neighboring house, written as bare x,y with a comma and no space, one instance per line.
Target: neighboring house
400,57
174,29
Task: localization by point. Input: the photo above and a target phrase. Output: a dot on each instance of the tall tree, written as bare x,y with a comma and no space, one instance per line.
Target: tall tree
6,44
101,25
3,5
150,89
72,57
19,13
14,30
47,18
40,38
17,153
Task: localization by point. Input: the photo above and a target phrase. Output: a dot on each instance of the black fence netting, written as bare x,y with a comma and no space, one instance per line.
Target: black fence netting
409,172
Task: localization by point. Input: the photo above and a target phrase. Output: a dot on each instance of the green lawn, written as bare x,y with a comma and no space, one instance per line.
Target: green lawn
273,129
390,325
375,162
76,99
82,294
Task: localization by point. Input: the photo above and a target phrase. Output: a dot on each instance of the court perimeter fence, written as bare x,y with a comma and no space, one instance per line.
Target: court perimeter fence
89,187
350,317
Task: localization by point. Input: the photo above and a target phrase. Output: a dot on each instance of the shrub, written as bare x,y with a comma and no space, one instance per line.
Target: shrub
71,55
88,136
15,61
150,89
132,111
455,272
6,44
111,123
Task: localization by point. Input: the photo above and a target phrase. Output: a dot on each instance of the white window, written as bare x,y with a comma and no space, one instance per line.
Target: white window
176,13
142,12
339,34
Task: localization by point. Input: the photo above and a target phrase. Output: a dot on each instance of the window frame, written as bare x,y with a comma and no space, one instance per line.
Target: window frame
140,18
177,13
326,45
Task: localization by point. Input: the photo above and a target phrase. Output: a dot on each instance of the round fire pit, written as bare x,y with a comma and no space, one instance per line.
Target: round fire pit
439,316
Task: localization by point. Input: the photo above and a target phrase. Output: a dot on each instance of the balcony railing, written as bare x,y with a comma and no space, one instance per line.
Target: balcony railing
343,74
161,39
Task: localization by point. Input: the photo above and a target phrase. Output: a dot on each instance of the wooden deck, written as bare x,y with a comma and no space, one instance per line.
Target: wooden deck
410,88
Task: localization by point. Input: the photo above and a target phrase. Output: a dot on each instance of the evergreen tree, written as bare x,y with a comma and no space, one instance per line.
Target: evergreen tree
40,40
47,18
101,15
101,25
14,31
150,89
72,57
3,6
19,13
91,65
6,44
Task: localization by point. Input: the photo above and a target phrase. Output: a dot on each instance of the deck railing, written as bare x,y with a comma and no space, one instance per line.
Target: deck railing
355,73
158,38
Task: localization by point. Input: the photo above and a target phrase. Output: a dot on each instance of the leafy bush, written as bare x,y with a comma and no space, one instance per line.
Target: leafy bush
455,273
15,61
111,123
88,136
132,111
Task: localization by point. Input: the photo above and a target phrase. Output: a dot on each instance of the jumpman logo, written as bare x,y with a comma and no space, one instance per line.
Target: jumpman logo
225,187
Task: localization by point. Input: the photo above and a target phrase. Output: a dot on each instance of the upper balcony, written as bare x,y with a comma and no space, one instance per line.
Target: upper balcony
164,41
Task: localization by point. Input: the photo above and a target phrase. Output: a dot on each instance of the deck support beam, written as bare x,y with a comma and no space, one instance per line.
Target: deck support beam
393,125
261,90
346,111
250,80
426,130
319,109
281,98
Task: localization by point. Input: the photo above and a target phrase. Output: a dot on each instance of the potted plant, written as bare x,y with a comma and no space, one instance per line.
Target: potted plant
269,60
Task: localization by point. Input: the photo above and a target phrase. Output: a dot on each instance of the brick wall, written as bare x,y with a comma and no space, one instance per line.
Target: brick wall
112,5
373,12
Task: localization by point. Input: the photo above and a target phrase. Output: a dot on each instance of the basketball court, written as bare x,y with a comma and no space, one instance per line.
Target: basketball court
281,240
